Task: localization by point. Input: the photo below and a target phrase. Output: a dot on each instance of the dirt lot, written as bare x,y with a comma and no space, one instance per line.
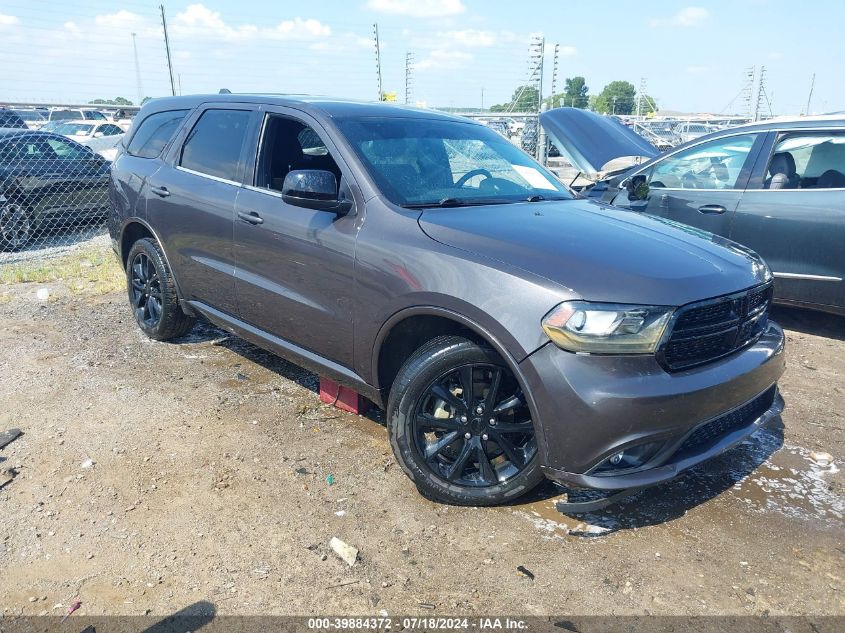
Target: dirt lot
152,476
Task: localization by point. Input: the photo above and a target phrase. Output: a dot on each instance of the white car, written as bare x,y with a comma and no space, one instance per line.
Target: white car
101,136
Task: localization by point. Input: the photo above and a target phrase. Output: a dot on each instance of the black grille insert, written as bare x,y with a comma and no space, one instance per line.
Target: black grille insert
716,429
711,329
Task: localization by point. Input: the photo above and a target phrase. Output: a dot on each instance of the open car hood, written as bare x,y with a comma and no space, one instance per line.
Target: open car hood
589,141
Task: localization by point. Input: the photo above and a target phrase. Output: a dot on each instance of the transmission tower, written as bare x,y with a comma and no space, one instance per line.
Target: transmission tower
409,68
378,61
535,72
748,91
761,95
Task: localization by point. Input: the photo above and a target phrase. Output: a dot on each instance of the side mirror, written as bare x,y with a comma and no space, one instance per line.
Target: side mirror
314,189
637,188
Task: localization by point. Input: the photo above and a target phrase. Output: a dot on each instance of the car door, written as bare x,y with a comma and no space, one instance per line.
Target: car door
701,185
793,214
86,176
191,202
295,266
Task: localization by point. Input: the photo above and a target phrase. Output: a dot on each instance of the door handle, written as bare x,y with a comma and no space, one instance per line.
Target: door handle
712,209
252,217
160,191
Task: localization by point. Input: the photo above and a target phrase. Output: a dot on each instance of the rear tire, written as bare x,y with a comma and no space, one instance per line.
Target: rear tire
460,444
152,293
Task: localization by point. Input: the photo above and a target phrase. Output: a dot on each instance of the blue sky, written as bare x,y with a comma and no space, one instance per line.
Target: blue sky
693,56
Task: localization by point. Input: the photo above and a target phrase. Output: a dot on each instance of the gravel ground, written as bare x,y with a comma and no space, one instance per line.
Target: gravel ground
152,476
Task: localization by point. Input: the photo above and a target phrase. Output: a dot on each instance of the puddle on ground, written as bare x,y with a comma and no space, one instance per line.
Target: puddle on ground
793,484
763,473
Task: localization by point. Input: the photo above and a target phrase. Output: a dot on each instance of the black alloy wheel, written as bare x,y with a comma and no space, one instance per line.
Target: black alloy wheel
145,291
472,426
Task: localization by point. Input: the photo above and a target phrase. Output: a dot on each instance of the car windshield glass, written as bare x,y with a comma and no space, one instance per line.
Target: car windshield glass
73,129
420,162
29,115
57,115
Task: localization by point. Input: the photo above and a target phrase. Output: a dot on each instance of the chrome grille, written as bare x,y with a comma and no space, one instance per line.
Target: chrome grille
711,329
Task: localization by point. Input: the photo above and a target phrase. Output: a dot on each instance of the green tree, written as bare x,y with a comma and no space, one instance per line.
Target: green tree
575,92
145,100
524,99
647,104
122,101
617,97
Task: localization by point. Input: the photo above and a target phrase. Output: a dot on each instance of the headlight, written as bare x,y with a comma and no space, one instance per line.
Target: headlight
606,328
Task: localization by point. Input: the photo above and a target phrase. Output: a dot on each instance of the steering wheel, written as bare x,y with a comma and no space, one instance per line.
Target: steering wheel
472,174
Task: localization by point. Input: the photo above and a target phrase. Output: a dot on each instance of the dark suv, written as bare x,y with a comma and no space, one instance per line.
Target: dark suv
510,329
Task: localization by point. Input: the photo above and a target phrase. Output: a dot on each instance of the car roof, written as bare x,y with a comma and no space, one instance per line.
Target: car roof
328,106
793,122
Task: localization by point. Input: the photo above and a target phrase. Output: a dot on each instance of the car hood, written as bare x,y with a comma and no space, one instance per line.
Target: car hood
601,253
589,141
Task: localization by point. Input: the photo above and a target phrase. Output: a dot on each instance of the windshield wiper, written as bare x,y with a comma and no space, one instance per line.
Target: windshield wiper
457,202
538,198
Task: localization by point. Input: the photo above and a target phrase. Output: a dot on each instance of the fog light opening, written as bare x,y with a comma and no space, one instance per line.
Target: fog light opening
630,458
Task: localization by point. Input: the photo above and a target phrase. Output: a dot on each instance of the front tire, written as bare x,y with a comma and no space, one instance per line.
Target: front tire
152,293
16,228
460,426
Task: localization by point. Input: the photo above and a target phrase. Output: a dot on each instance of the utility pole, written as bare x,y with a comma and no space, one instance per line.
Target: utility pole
167,49
378,61
614,105
137,71
541,135
179,82
554,76
810,96
409,67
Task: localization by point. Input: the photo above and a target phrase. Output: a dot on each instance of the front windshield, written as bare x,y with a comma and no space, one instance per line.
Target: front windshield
73,129
420,162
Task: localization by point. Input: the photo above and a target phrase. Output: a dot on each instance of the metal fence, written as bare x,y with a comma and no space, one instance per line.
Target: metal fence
54,194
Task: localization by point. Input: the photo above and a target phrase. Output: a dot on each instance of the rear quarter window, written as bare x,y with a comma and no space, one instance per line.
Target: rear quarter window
154,132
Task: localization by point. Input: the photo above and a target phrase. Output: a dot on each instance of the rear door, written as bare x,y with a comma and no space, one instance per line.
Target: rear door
191,202
800,229
701,185
138,161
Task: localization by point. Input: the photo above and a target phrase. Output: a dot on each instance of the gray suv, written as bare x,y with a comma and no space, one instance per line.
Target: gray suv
511,330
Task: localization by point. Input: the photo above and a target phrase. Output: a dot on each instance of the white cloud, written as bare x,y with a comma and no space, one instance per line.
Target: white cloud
444,58
418,8
8,20
690,16
197,20
121,20
469,38
567,51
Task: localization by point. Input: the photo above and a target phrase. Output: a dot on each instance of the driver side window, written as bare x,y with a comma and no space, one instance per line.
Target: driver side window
715,164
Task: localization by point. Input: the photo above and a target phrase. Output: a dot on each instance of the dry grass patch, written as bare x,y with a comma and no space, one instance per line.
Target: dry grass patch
92,270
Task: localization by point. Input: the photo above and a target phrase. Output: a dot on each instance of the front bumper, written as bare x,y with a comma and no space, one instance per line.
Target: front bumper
591,407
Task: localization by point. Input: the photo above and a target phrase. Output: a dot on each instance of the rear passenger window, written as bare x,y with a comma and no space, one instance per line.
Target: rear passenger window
214,145
154,133
811,161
